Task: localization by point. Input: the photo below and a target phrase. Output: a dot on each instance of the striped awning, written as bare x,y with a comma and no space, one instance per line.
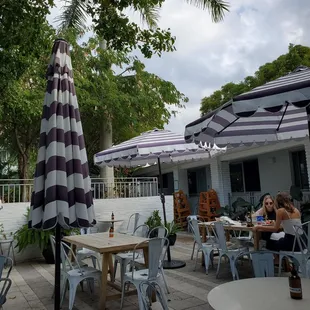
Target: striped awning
275,111
151,145
293,88
224,128
62,188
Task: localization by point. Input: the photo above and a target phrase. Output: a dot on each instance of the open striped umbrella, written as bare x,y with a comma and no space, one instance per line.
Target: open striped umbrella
275,111
154,147
62,194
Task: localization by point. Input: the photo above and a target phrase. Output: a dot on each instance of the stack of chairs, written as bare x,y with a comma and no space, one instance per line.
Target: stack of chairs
208,205
181,208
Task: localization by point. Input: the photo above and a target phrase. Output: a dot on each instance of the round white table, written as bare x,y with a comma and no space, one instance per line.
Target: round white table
258,294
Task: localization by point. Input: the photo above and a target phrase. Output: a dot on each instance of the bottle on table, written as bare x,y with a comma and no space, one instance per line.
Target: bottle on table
112,217
295,284
111,231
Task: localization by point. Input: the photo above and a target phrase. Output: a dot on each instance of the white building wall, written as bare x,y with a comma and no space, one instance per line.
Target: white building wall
12,215
275,172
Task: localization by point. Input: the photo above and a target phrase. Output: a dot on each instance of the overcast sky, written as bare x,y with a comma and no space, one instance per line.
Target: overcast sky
210,55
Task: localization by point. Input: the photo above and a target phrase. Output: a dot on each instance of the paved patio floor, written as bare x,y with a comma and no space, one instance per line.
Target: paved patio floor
33,285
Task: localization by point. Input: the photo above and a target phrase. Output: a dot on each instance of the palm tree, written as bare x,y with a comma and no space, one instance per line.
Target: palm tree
74,15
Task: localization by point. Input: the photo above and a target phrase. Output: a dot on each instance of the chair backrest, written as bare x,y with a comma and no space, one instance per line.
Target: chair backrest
263,264
133,222
302,236
193,223
66,259
141,231
159,231
89,230
6,265
220,236
157,248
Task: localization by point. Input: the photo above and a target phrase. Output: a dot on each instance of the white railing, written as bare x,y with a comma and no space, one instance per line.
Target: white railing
19,190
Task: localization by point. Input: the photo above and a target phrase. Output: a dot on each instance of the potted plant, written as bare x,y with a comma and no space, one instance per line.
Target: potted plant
172,228
154,221
25,237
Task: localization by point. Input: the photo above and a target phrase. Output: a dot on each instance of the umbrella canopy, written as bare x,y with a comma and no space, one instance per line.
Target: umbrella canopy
278,112
151,145
224,128
62,189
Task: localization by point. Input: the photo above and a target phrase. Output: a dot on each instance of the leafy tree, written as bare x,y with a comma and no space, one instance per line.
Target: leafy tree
22,36
113,25
137,99
297,55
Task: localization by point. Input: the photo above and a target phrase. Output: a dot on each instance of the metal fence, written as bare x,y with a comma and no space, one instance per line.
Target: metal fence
19,190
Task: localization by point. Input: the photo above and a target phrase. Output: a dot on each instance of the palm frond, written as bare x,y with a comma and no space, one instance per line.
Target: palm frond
150,16
73,15
216,8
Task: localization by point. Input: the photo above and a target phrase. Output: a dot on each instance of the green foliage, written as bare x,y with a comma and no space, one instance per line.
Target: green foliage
111,22
172,228
25,236
297,55
154,220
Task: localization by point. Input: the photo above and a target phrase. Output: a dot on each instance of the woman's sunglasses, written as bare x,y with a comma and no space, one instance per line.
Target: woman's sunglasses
268,203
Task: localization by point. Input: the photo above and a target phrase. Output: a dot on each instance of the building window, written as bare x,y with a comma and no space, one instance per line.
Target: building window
300,169
244,177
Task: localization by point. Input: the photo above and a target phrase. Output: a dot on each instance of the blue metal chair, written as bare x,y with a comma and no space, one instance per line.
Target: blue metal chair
263,263
6,264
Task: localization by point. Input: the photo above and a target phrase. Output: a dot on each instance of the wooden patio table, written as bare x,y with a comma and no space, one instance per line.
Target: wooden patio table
105,245
256,234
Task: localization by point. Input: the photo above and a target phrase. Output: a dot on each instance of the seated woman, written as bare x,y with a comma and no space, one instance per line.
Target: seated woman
287,216
268,210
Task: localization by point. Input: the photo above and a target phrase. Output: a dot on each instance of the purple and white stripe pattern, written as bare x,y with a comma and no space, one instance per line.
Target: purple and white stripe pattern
293,88
62,188
275,111
148,147
224,128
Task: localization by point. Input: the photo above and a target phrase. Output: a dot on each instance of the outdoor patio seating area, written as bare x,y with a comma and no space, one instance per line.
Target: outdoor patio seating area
33,282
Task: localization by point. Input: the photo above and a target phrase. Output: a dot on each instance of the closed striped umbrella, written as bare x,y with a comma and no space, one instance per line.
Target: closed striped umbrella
278,112
62,190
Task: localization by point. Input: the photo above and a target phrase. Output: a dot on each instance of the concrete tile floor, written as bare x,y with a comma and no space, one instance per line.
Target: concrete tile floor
32,286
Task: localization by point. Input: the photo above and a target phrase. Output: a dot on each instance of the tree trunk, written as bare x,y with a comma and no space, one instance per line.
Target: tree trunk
23,172
107,173
106,141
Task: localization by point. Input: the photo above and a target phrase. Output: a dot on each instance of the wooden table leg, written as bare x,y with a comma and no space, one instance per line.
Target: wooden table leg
256,237
111,268
104,280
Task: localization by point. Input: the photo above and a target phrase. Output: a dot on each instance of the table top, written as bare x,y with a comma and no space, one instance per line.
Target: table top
102,243
258,294
230,227
109,221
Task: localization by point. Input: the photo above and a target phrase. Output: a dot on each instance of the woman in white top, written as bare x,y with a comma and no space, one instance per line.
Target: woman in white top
287,216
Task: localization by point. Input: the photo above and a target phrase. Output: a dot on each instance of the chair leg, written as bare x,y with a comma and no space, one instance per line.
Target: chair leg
94,260
207,261
233,268
192,256
196,260
123,270
123,295
64,290
218,265
165,281
161,296
115,266
72,293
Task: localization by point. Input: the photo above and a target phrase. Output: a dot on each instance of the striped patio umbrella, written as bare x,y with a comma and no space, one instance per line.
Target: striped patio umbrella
62,194
276,111
154,147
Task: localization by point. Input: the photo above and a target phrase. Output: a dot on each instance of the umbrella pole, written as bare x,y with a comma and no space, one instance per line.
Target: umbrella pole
167,264
57,267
